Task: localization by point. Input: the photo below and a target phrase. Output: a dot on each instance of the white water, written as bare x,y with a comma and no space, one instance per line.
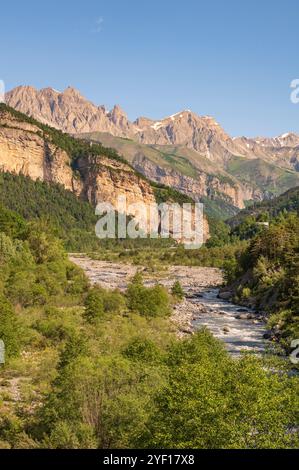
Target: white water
241,334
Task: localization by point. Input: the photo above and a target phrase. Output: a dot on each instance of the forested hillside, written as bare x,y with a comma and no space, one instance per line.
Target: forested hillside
266,275
90,368
287,202
59,210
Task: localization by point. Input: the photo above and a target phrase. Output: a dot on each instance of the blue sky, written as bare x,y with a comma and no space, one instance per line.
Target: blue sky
230,59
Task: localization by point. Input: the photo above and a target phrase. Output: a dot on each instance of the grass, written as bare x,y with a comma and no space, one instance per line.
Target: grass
263,175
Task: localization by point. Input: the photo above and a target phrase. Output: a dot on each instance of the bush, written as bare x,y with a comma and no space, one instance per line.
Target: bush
114,302
142,349
9,328
212,401
177,291
94,305
246,292
149,302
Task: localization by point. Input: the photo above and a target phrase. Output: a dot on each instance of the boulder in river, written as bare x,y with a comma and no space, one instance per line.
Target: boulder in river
250,316
226,329
225,295
241,316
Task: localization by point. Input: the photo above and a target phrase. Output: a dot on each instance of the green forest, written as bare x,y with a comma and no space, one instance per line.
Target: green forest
93,368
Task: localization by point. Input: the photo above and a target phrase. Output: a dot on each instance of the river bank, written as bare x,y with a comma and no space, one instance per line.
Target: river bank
240,328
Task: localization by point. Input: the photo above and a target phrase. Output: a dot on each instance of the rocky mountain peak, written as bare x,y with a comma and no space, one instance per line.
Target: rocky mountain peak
73,93
72,113
117,114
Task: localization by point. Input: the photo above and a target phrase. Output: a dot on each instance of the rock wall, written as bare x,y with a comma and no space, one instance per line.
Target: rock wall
205,184
24,150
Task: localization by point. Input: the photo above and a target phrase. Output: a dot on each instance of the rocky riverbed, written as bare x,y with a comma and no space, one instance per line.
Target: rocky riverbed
240,328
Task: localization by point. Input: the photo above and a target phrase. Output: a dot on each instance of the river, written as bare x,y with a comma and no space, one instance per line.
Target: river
241,329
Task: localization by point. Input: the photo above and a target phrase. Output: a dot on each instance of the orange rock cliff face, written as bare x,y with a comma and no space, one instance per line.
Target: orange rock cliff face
25,150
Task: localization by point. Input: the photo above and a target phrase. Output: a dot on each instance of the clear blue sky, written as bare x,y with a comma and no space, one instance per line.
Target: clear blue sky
230,59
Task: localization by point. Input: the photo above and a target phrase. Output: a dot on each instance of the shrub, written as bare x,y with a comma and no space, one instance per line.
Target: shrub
246,293
149,302
94,305
177,291
142,349
114,302
9,328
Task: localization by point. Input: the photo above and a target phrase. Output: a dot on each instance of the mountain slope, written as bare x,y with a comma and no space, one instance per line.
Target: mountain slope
191,153
92,172
181,168
95,174
287,202
58,209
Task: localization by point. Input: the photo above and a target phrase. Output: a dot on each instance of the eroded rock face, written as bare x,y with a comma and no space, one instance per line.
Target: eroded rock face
25,150
68,111
204,185
106,180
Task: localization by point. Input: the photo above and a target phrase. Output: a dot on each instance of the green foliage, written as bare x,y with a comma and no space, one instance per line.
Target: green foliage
155,253
57,209
94,305
9,328
212,401
268,269
7,248
220,233
166,194
143,350
150,302
177,291
99,302
267,209
248,228
11,223
216,208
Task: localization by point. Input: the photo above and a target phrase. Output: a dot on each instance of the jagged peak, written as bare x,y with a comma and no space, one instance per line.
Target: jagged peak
50,90
71,91
287,135
22,88
117,110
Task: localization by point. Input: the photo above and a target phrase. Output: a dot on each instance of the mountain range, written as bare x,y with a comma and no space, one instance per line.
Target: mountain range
190,153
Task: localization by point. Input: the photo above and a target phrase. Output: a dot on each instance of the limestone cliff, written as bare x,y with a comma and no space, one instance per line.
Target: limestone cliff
27,148
204,185
23,149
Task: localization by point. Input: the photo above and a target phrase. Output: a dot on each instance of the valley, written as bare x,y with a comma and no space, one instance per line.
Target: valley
149,233
241,329
107,340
